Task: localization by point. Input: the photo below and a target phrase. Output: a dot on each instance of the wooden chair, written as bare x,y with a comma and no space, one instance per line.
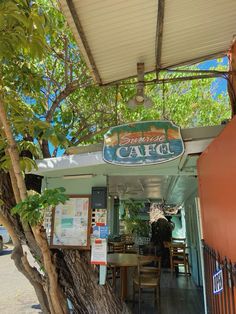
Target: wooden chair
147,276
130,248
115,247
129,243
178,256
147,249
178,240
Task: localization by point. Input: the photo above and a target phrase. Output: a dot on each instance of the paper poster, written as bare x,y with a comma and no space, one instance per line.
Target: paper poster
99,252
71,223
100,231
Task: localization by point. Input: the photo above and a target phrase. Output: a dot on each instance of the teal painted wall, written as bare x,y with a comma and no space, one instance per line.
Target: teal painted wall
76,186
192,234
179,230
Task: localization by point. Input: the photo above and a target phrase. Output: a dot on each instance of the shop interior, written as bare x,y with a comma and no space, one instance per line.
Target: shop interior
133,199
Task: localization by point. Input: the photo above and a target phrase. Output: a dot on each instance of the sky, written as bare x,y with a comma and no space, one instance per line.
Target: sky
220,85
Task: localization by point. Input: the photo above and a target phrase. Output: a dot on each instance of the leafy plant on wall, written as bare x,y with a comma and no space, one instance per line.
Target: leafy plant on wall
134,224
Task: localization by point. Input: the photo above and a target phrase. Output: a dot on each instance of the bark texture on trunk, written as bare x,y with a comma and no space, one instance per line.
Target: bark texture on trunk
13,151
80,282
49,292
7,196
15,230
58,304
232,76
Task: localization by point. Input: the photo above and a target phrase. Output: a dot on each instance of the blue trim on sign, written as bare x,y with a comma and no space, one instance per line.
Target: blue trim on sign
142,152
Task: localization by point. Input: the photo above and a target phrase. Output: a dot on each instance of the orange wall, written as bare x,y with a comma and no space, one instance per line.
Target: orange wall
217,189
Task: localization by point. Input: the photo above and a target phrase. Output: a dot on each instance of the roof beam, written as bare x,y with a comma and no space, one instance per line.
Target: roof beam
159,32
71,6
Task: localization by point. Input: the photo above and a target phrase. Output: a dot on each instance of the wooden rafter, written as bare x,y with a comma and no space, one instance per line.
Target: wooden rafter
159,33
189,62
79,28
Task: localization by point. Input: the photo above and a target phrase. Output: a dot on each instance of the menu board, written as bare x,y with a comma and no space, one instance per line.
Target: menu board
71,223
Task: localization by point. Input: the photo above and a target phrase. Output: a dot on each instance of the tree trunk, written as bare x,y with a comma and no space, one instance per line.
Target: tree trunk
50,290
58,302
15,230
80,282
232,76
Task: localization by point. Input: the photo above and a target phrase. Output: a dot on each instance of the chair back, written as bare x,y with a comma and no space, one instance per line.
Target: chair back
117,247
149,265
147,276
147,250
178,240
177,249
127,238
179,256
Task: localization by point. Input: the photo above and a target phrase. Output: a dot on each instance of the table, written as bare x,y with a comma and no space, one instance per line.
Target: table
123,260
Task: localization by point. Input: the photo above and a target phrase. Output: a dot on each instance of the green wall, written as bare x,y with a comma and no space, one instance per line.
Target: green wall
76,186
192,233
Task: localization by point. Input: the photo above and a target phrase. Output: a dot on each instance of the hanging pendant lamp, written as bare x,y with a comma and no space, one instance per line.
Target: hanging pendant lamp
140,99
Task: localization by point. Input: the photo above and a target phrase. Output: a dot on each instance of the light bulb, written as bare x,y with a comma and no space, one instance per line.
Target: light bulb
139,98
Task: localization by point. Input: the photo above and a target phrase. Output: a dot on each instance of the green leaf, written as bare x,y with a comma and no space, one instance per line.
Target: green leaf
32,209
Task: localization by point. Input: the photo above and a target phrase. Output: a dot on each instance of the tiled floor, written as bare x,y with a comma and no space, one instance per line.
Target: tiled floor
178,296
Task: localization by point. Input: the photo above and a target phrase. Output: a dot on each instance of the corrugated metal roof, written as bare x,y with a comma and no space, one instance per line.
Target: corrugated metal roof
114,35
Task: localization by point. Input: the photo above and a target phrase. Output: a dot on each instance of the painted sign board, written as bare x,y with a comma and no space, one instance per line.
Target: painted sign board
218,282
143,143
99,251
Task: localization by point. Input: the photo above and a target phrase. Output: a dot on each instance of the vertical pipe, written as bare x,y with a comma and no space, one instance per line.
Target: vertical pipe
208,270
201,251
221,295
228,287
232,287
217,296
209,306
225,286
213,267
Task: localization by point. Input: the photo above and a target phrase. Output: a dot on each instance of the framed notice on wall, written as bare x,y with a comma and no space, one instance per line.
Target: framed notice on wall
71,223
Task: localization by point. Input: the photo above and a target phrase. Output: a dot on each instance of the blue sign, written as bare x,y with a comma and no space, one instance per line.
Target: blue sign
103,232
143,143
100,232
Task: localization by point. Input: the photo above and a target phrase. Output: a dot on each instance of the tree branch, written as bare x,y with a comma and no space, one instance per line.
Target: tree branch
66,60
69,89
88,136
232,77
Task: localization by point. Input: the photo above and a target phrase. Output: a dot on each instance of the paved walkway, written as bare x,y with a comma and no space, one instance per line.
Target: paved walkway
16,293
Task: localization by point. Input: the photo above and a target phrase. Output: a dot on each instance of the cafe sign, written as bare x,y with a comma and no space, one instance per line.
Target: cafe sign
143,143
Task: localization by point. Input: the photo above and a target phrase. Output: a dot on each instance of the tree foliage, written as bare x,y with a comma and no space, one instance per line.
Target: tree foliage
34,207
22,28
